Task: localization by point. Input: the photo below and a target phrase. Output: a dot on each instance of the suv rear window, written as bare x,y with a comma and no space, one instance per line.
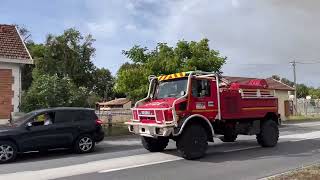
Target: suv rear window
64,116
85,116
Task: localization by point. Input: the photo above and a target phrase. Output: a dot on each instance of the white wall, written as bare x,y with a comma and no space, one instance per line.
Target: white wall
282,96
127,105
16,87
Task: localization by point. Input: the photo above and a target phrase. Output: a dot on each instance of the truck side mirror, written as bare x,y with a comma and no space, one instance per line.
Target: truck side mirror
182,93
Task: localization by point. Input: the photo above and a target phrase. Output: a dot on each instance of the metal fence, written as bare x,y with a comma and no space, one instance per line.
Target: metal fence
114,115
308,106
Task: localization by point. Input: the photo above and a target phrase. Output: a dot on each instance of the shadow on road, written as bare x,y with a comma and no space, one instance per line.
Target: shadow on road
216,152
64,153
224,152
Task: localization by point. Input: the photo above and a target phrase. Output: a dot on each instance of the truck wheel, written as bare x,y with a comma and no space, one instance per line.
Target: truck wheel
269,134
229,138
153,144
229,135
192,143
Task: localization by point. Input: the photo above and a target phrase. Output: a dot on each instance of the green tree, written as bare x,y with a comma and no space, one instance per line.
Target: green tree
37,51
302,91
132,81
93,99
185,56
52,91
314,93
287,82
68,55
103,83
276,77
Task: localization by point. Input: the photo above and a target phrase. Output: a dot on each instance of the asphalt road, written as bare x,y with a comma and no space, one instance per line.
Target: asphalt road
124,158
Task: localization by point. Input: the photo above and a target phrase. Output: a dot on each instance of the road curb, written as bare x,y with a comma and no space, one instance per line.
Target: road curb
290,171
299,121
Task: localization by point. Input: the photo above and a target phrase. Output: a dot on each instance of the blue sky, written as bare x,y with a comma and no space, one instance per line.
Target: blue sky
258,37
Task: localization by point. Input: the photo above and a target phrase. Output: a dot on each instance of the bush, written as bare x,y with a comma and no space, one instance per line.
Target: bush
52,91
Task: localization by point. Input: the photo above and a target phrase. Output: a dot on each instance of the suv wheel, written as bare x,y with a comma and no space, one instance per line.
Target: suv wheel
153,144
269,134
8,151
192,144
84,144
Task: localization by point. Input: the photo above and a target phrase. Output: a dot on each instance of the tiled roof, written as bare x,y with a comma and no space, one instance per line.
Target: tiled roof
272,83
119,101
11,45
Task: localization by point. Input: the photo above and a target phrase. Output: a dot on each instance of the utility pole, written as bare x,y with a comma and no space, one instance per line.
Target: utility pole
295,85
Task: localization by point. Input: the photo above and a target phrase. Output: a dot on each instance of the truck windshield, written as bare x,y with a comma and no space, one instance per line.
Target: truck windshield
173,88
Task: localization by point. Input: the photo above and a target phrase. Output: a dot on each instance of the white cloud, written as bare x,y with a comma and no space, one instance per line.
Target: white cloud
130,27
248,32
235,3
130,6
105,29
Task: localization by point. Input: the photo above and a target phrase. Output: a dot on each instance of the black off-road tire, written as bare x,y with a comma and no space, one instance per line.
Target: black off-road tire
229,138
269,134
78,148
229,135
193,142
154,144
11,150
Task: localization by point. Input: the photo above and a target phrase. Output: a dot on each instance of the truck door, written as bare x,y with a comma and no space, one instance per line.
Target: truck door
203,98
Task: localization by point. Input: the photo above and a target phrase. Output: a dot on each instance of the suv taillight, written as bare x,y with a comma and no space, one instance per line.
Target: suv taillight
99,122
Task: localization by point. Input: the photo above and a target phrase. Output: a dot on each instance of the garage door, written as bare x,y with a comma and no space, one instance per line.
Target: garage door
6,93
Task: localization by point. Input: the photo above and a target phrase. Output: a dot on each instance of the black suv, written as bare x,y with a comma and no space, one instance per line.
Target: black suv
40,130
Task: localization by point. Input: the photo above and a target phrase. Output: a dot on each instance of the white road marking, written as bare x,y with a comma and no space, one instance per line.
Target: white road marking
122,142
90,167
116,164
139,165
303,136
306,124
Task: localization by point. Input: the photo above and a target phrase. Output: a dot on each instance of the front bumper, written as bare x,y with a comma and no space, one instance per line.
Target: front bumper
150,130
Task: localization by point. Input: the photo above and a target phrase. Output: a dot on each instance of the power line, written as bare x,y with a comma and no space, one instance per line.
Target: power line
272,64
257,64
314,62
294,64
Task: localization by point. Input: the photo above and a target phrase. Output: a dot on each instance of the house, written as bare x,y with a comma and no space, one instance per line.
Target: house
281,91
13,55
116,103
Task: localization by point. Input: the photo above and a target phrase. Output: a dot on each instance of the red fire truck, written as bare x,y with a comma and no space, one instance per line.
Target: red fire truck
194,107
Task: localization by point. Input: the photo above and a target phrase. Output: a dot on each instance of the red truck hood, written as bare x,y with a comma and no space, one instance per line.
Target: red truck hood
159,103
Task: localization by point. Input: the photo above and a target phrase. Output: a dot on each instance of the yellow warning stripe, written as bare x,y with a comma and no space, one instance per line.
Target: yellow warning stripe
259,108
171,76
